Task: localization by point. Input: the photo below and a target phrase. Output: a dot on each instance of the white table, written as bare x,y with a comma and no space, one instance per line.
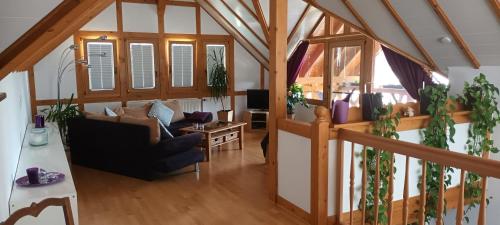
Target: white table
52,158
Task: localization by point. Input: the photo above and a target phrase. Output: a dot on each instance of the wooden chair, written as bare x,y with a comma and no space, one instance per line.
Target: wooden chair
36,208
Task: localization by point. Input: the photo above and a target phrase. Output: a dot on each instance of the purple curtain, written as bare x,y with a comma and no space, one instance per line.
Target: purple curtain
410,74
295,62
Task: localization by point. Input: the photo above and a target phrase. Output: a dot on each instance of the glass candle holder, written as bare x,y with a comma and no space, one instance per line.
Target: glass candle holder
39,136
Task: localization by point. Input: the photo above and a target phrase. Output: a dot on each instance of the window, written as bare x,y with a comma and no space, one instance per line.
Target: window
214,52
346,71
101,69
182,64
386,82
142,65
311,74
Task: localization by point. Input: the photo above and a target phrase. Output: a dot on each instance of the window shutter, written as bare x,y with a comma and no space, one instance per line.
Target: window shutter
210,61
101,66
182,65
142,65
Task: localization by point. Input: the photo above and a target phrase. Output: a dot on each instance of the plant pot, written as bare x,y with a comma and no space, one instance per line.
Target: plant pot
225,115
425,101
290,116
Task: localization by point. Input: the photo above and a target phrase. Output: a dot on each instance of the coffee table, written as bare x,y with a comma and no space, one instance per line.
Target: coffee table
219,133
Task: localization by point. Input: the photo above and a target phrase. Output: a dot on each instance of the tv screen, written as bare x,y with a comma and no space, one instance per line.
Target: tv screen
258,99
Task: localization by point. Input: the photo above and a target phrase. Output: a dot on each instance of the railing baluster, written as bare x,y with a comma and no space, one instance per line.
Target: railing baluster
351,186
363,188
440,206
406,191
481,220
460,204
423,194
377,187
391,190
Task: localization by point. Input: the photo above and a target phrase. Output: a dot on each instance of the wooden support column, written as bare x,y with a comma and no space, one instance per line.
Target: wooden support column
31,81
319,166
277,85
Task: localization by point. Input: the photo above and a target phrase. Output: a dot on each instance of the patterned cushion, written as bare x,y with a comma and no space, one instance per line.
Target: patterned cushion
139,113
176,107
162,112
109,112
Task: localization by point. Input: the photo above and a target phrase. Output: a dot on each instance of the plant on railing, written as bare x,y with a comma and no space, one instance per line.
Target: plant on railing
436,135
481,97
384,126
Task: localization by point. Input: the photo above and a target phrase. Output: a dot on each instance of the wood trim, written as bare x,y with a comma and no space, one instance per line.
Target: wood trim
297,25
247,7
208,7
454,32
495,5
262,77
142,1
32,86
282,202
481,166
295,127
119,16
61,24
410,34
277,83
264,42
310,35
406,123
181,3
3,96
198,19
339,175
360,19
261,18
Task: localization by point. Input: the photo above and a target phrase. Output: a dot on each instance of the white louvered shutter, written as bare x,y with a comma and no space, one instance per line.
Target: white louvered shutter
210,61
101,66
142,65
182,65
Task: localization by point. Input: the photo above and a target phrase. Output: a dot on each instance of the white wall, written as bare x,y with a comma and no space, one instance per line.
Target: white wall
457,76
15,114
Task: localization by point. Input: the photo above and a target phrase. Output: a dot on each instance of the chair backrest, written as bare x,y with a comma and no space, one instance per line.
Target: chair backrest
36,208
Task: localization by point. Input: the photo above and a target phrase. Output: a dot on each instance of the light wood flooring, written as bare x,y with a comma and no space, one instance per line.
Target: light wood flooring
231,189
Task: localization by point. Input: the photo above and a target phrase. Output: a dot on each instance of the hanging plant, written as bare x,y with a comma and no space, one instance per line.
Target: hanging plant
384,126
481,97
441,128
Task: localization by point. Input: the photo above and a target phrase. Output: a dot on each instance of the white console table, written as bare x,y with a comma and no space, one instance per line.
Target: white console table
52,158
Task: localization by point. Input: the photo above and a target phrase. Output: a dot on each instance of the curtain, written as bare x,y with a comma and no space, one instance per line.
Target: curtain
295,62
410,74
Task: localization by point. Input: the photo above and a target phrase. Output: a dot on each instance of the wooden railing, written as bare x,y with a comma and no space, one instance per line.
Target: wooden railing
410,209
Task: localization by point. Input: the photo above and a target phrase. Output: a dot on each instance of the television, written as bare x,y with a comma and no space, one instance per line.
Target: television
258,99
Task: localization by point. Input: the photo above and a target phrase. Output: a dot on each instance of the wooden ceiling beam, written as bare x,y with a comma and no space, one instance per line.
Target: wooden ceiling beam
365,25
410,34
49,33
247,7
495,4
264,42
261,18
297,25
141,1
454,32
3,95
217,16
316,25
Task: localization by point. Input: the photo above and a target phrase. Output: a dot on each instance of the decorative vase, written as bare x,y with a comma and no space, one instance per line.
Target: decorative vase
38,136
340,111
225,115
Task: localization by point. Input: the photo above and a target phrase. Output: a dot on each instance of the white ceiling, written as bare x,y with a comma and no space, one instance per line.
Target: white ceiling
475,21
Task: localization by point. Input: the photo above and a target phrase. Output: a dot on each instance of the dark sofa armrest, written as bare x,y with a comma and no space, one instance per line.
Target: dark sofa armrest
178,144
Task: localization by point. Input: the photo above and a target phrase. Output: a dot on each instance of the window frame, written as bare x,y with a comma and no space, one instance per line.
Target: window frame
171,87
86,76
130,89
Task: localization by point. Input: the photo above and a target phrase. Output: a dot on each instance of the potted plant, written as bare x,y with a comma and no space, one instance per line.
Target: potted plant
295,97
218,84
63,111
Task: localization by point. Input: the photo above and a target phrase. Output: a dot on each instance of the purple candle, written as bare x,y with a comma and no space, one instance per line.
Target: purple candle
33,175
39,121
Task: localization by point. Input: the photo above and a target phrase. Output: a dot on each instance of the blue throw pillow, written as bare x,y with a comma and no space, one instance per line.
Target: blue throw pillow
165,133
161,112
109,112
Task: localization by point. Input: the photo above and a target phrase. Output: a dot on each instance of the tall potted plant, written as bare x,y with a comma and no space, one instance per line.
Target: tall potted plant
218,84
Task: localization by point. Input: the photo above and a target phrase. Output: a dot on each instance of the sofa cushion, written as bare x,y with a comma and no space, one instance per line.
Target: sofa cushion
179,160
162,112
139,112
175,106
152,123
174,127
101,117
200,117
109,112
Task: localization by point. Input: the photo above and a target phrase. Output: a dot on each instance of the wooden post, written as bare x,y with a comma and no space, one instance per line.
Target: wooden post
319,166
277,84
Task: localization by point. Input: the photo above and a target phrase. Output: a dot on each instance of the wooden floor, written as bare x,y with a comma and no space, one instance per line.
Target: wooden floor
231,189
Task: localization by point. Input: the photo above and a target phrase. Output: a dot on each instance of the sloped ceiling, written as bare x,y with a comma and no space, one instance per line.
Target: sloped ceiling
477,23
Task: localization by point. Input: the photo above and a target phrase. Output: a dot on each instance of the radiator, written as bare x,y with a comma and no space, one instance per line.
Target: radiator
191,104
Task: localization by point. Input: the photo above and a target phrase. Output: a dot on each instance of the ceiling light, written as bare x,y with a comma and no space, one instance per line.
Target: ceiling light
445,40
